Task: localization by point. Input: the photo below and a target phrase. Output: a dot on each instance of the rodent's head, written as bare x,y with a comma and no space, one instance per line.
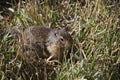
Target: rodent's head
65,38
57,42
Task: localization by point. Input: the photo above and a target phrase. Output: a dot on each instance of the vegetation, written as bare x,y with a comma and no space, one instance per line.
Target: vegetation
94,26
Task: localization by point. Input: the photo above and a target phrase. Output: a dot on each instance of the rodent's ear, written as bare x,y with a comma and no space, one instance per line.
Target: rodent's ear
56,33
65,29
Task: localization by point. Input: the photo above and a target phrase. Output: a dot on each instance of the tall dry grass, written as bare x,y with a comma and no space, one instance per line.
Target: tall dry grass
94,26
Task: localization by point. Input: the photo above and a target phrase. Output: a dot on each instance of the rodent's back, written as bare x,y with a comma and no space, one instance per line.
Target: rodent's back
37,34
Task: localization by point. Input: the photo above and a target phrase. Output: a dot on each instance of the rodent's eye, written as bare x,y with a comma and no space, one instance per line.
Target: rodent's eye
61,39
57,34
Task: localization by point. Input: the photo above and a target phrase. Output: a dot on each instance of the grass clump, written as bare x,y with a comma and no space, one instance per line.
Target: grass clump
95,29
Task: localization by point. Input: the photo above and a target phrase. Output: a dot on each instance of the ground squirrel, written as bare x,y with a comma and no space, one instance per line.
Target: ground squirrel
45,42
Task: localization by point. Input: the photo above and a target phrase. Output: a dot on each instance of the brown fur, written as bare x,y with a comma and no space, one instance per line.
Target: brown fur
45,42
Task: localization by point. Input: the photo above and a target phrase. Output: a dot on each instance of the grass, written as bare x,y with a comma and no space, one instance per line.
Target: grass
95,29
